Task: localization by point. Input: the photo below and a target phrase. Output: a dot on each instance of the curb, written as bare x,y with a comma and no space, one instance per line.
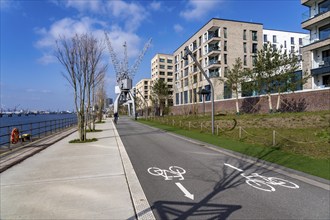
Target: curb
141,205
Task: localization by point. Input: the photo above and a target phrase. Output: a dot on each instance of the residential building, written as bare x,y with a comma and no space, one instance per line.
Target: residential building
162,68
143,92
216,46
316,50
287,40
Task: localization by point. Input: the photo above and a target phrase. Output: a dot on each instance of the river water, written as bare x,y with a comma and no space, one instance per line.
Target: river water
26,122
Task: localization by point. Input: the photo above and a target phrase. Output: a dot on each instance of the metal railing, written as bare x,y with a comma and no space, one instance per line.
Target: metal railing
34,130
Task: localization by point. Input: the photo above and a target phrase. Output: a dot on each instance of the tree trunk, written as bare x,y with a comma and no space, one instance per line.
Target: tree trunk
278,104
270,102
237,107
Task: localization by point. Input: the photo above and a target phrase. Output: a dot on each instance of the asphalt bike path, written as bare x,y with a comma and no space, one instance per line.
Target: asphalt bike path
190,180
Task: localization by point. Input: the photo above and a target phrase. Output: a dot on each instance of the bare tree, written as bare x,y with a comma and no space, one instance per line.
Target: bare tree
80,55
235,77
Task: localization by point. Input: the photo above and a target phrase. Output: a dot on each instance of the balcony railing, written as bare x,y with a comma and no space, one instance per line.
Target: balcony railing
211,62
214,74
307,15
211,49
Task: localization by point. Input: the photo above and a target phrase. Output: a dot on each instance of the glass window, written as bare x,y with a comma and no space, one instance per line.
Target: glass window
208,96
274,39
169,61
292,40
265,38
161,66
161,73
300,41
244,47
244,61
324,6
185,97
324,32
285,44
225,58
225,32
170,73
177,98
225,46
254,48
254,35
244,34
161,60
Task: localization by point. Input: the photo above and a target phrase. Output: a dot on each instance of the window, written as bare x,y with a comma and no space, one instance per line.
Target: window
169,61
274,39
292,49
161,66
227,93
181,98
161,60
324,32
274,47
292,40
190,96
185,97
208,96
244,34
254,60
285,44
146,87
300,41
177,98
169,80
324,6
254,35
169,73
225,58
186,82
244,47
226,71
145,82
225,32
254,48
225,46
170,67
195,95
195,78
161,73
265,38
244,60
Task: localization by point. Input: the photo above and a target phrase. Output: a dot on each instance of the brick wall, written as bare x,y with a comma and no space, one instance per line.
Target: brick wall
315,100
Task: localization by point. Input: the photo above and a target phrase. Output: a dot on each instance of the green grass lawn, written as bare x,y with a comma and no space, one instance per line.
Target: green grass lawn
308,164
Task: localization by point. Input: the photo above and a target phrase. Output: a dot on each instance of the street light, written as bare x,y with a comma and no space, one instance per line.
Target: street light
185,57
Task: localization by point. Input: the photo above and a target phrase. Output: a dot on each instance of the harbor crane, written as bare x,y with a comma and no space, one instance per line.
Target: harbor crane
124,76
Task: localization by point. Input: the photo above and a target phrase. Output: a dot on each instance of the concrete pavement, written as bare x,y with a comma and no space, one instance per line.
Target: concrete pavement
93,180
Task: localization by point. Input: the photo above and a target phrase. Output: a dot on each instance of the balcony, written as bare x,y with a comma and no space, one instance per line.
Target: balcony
213,38
214,64
321,67
213,74
309,21
214,50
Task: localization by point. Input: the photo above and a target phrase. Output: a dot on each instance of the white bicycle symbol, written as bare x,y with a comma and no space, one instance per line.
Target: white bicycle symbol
172,172
265,183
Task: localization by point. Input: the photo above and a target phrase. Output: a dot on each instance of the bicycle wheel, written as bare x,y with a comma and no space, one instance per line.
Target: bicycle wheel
177,169
155,171
258,184
282,182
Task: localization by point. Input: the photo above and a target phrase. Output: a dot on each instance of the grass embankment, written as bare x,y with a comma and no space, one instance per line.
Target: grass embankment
302,141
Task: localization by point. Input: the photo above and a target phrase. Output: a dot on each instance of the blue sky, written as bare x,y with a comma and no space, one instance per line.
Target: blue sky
31,76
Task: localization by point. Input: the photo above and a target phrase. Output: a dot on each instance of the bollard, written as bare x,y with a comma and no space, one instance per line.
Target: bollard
274,136
240,133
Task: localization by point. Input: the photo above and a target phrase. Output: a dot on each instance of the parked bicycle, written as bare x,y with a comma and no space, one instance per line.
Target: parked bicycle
265,183
172,172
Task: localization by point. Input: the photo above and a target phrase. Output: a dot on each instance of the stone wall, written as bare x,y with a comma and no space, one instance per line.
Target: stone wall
313,100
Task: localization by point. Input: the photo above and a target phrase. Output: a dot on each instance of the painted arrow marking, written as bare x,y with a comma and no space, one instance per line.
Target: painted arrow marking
185,191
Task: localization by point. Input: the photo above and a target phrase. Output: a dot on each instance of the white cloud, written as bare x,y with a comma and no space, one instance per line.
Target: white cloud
86,5
155,5
131,14
178,28
197,9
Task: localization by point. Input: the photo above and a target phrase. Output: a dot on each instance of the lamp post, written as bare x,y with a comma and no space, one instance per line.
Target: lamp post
185,57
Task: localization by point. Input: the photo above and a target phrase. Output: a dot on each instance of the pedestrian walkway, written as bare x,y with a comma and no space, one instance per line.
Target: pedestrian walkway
75,181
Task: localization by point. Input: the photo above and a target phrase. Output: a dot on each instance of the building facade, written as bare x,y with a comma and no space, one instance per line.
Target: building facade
162,68
316,49
143,93
216,46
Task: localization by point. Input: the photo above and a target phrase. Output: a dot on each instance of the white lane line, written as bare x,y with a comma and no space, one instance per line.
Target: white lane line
233,167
